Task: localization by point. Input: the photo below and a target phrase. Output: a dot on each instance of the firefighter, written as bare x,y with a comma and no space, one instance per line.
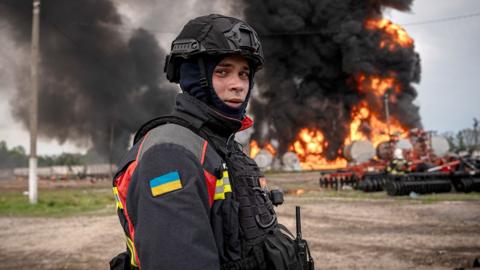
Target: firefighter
398,165
187,196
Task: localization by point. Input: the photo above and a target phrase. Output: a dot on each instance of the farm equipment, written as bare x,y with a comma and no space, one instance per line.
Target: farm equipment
460,173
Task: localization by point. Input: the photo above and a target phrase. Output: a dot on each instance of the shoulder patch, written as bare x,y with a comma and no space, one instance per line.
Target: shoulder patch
165,183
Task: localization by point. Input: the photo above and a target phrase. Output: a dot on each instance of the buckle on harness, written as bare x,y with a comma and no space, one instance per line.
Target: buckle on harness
265,225
203,82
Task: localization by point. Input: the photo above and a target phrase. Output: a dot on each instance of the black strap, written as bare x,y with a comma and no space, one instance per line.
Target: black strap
285,230
122,262
203,73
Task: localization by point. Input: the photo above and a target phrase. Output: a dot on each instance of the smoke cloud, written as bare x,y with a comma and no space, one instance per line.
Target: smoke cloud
101,65
97,80
101,74
314,51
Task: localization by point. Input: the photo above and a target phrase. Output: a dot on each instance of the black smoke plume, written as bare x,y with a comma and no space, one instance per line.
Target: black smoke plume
98,81
313,51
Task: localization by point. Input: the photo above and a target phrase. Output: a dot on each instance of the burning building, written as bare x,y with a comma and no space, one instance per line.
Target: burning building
332,69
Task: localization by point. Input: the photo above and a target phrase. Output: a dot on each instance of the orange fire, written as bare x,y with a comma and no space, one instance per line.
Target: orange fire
377,85
378,129
270,149
309,148
310,143
255,148
396,35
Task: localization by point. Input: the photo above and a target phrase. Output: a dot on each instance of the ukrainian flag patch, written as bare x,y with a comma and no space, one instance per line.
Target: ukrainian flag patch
165,183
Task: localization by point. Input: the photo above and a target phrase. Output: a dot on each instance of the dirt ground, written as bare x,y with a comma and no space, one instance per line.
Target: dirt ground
344,233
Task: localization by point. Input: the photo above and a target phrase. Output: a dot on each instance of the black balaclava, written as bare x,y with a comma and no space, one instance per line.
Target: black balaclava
190,82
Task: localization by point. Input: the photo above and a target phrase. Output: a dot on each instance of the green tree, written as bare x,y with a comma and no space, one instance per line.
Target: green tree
15,157
450,136
460,142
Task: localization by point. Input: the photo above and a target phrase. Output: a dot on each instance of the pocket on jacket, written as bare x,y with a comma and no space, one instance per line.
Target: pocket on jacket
279,250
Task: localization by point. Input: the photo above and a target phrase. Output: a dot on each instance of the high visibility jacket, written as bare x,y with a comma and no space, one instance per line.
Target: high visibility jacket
398,166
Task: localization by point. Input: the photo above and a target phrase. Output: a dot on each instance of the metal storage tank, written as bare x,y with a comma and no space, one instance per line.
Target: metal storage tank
439,145
291,162
264,159
359,151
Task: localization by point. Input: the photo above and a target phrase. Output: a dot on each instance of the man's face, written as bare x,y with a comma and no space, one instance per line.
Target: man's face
230,80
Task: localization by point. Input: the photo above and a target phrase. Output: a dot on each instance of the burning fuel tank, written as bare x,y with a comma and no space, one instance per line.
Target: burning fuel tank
291,162
437,145
264,160
359,151
385,151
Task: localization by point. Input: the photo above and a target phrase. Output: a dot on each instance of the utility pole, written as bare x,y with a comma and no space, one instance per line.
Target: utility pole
387,110
475,133
32,174
110,160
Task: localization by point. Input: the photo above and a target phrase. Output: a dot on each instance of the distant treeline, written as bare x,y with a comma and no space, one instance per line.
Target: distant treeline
18,157
463,140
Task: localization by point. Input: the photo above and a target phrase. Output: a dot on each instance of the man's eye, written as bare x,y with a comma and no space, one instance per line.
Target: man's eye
244,74
221,72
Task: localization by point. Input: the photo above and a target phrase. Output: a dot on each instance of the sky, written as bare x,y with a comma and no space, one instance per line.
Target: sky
448,93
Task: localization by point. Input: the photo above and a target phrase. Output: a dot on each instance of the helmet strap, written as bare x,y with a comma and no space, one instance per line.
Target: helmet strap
203,73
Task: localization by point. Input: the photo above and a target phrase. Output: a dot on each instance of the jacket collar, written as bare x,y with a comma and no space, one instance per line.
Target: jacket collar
203,116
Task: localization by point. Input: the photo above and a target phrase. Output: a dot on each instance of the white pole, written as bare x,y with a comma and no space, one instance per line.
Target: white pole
32,173
387,111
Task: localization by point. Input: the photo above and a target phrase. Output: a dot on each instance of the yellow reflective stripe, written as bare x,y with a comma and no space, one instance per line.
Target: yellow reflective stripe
219,193
222,186
131,247
219,196
227,188
117,199
226,182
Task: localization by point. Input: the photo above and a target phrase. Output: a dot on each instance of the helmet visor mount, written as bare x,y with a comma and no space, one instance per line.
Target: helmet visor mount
242,38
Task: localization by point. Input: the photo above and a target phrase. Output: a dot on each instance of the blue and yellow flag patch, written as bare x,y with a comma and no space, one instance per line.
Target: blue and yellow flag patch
165,183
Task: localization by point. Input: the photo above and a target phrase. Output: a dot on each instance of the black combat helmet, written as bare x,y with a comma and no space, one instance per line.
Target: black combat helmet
213,35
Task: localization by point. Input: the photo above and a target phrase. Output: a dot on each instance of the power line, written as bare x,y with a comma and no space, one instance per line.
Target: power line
440,20
124,28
